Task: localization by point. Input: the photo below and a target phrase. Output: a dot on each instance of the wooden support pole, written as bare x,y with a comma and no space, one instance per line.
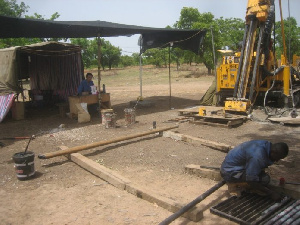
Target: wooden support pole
100,143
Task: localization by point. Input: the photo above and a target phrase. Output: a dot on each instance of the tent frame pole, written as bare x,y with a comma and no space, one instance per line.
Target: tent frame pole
170,88
99,73
141,75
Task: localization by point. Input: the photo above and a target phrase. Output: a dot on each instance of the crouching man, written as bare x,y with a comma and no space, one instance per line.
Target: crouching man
246,164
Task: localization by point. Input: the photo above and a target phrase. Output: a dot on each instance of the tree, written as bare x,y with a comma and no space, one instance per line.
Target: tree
11,8
127,60
110,55
292,37
231,31
188,16
226,32
156,56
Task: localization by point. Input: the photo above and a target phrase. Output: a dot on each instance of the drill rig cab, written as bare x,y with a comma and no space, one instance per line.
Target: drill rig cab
249,74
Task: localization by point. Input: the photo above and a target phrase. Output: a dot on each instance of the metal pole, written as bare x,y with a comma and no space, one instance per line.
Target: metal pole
214,54
141,75
170,98
99,73
192,203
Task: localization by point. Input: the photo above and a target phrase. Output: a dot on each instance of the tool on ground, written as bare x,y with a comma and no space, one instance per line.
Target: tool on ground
17,138
101,143
192,203
283,182
210,167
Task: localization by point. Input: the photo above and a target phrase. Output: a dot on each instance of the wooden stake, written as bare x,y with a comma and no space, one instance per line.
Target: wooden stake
100,143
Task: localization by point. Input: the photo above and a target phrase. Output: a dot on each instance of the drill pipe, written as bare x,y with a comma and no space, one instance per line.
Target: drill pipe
192,203
100,143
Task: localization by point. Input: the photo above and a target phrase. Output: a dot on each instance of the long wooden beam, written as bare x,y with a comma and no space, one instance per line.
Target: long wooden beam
101,143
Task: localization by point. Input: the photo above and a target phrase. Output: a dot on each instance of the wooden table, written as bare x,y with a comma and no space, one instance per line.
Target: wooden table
89,99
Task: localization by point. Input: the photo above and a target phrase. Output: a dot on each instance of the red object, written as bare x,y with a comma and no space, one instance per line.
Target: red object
281,181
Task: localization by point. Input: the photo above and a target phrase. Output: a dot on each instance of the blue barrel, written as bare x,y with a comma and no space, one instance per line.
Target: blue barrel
24,165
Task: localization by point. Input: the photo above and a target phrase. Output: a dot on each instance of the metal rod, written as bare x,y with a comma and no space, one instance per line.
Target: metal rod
100,143
256,64
192,203
28,143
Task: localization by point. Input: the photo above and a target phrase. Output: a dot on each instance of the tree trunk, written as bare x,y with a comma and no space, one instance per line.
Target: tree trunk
209,71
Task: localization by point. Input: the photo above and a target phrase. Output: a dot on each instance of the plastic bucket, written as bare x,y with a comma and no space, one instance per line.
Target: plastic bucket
110,120
24,165
129,116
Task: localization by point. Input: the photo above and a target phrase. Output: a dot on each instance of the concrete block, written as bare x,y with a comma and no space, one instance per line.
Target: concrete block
202,172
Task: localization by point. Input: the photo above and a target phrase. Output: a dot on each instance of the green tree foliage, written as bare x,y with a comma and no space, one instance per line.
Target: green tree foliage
231,31
11,8
127,60
156,56
226,33
292,37
191,18
110,55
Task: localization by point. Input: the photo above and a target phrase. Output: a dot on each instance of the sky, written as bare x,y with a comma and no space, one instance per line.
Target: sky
149,13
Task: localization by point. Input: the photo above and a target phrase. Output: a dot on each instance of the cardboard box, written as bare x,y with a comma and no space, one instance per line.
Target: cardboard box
18,110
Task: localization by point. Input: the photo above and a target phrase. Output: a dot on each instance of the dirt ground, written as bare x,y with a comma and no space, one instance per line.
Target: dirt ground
63,193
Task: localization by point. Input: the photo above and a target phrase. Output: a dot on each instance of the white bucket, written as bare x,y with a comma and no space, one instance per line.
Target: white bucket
103,111
110,120
129,116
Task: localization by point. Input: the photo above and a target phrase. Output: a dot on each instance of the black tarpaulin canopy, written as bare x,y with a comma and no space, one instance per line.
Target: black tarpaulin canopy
12,27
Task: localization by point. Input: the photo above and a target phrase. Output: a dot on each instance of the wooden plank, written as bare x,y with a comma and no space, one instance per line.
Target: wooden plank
209,123
235,122
123,183
180,137
202,172
286,120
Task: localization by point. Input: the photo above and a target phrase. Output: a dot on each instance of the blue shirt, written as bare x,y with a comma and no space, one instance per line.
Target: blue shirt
85,86
250,157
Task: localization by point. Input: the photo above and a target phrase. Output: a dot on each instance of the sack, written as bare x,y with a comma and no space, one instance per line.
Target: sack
83,114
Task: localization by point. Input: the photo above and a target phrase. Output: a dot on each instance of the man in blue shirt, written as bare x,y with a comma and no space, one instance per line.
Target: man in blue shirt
247,161
85,85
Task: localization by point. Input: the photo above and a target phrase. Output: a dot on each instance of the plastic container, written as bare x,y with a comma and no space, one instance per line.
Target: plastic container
24,165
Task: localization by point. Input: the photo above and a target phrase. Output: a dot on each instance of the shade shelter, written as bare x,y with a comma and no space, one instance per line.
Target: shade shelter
12,27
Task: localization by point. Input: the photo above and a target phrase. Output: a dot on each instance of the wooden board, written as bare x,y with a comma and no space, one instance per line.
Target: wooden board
286,120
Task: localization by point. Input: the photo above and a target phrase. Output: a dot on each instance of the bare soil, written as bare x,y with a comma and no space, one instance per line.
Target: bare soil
63,193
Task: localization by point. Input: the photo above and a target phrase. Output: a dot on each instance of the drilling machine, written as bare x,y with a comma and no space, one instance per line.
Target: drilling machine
254,71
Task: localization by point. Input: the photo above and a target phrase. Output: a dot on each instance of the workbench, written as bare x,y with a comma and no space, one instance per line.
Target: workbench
89,99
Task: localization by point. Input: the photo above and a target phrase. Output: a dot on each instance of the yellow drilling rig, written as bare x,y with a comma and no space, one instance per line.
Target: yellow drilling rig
254,73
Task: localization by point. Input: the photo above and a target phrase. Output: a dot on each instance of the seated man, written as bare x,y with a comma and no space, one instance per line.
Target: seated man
85,85
247,161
